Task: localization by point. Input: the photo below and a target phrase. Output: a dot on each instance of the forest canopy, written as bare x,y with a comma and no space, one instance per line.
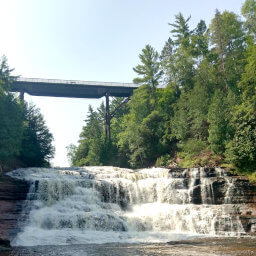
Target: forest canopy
204,112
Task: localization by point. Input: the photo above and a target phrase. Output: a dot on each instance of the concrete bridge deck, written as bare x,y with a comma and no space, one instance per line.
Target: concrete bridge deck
71,88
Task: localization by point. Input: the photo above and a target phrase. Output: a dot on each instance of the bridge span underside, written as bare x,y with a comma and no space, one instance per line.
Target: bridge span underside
74,89
71,88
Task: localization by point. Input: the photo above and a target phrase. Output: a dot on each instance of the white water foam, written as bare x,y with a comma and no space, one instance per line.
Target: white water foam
109,204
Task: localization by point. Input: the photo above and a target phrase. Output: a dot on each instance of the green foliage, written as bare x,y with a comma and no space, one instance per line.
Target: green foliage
10,129
180,123
181,62
94,148
89,150
190,153
228,39
24,138
181,30
141,103
5,74
242,148
206,158
249,12
142,127
194,147
190,114
218,122
200,41
71,153
149,71
163,161
199,99
248,82
141,141
252,176
131,143
36,147
204,115
10,119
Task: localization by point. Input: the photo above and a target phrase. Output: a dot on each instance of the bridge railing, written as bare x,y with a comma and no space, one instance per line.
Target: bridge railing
75,82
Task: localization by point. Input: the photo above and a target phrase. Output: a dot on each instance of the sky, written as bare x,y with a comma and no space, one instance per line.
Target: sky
91,40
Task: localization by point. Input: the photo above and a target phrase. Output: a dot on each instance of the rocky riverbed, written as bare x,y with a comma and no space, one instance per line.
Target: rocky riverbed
194,247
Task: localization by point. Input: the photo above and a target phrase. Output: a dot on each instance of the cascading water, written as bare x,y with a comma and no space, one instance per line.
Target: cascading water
109,204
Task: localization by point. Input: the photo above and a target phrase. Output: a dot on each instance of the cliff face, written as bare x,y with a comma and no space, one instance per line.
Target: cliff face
216,186
13,194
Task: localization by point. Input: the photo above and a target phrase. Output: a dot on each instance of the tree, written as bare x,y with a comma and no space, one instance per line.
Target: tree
11,129
202,115
89,149
93,148
141,130
139,137
228,40
130,141
180,123
191,109
36,147
181,63
5,74
181,30
149,71
199,100
71,154
200,41
218,122
242,149
249,12
24,138
10,119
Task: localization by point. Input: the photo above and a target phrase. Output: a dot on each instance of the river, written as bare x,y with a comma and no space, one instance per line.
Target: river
195,247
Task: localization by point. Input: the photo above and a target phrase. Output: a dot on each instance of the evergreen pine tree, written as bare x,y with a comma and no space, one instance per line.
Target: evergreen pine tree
242,149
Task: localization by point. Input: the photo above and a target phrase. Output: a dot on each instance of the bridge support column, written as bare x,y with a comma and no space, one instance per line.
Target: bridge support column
108,117
21,96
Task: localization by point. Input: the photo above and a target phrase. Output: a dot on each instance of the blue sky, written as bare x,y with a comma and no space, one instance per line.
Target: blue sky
93,40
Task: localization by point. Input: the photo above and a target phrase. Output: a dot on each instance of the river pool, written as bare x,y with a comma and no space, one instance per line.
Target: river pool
245,246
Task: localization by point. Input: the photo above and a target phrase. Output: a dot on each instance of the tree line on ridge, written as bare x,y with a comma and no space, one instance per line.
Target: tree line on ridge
203,114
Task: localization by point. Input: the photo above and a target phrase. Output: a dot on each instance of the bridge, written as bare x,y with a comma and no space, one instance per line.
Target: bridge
71,88
74,89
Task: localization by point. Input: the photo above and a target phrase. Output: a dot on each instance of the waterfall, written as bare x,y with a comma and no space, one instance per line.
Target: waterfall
110,204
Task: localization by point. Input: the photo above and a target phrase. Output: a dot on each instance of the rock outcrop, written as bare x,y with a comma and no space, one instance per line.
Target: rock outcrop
223,187
13,193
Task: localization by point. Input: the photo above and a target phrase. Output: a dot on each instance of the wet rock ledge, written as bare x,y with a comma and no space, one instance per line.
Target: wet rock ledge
236,192
13,194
